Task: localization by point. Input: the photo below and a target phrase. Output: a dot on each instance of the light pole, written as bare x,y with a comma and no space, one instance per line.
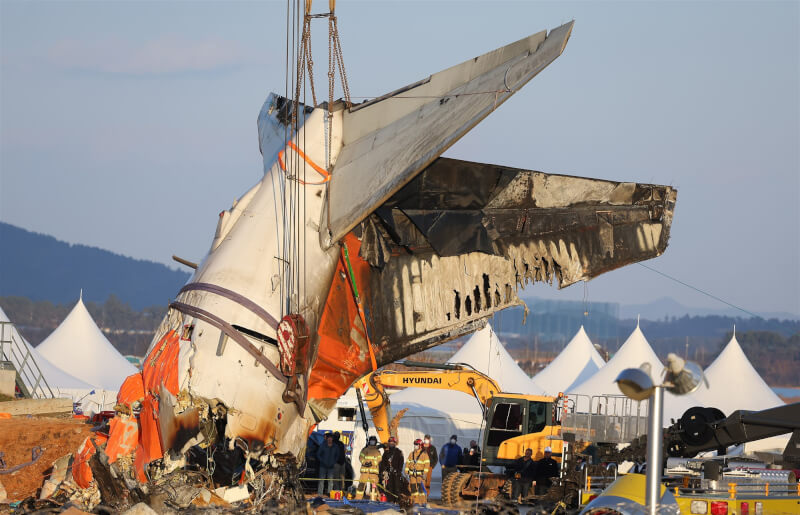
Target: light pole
680,377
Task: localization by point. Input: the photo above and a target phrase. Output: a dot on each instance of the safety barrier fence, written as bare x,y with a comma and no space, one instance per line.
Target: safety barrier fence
13,350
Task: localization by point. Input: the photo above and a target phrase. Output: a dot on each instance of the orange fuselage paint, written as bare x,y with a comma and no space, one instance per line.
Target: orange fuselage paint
123,437
343,354
132,390
127,434
161,365
81,472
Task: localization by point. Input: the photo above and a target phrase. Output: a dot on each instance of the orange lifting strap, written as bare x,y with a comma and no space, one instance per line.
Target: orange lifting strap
324,173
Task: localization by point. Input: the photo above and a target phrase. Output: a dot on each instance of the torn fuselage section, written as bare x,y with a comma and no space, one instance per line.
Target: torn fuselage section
456,243
454,246
224,387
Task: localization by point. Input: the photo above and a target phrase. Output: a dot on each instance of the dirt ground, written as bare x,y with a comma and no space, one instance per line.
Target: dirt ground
18,435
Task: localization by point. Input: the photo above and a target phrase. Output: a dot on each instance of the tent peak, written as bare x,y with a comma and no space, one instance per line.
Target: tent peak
79,347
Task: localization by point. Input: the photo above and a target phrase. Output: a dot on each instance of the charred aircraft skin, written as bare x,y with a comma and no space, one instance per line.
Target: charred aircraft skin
457,242
314,279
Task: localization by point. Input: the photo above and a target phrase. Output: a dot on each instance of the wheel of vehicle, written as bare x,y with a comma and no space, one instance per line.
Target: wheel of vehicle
447,485
459,482
453,495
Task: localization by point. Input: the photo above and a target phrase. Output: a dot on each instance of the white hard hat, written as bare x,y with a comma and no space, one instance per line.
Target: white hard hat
548,449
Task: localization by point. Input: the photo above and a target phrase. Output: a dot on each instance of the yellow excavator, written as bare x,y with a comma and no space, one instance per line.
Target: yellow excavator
514,421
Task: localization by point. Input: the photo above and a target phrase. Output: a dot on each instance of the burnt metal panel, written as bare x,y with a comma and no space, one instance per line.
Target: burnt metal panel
456,243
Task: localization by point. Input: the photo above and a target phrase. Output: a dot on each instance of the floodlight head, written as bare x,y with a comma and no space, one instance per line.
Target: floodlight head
681,376
635,383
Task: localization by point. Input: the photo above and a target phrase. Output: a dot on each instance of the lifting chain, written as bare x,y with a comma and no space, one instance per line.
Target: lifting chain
335,62
304,61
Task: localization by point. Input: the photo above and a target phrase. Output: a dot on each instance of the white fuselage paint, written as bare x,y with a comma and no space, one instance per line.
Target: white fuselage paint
249,256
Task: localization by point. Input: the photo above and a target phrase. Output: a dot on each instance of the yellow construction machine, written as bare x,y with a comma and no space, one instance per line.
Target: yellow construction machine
514,421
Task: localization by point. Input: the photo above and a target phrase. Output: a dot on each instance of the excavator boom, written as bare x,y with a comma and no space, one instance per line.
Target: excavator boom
460,378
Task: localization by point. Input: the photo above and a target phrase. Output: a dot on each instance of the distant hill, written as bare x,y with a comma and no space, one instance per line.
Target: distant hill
666,307
41,267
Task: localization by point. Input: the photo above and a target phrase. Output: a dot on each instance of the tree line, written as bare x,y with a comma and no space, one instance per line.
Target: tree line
772,346
129,330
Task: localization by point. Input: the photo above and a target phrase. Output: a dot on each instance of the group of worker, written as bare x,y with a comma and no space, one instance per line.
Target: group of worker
384,472
525,471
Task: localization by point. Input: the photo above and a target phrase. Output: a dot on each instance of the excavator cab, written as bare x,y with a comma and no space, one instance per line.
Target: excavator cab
518,422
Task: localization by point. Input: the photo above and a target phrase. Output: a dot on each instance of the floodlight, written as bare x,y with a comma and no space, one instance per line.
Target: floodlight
681,376
635,383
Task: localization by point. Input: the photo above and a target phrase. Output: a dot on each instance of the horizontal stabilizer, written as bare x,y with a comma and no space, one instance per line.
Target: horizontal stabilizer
389,140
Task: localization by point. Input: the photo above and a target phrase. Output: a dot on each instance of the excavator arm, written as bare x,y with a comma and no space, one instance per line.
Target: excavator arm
461,378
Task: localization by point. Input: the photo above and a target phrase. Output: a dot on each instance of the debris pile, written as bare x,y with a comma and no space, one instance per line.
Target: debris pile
20,435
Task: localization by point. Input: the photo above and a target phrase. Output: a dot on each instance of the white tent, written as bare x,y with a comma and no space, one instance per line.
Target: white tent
61,383
78,347
733,384
54,376
484,352
635,351
575,364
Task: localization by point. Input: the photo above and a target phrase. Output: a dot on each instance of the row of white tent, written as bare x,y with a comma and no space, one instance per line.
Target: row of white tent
733,383
578,371
76,361
79,362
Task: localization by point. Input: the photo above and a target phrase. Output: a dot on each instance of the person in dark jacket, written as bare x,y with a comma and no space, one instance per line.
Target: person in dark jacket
546,468
433,456
328,456
450,456
472,454
339,468
391,470
523,473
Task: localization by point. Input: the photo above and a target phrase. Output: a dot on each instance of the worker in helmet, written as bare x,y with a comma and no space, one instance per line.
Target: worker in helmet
417,466
370,457
391,470
434,457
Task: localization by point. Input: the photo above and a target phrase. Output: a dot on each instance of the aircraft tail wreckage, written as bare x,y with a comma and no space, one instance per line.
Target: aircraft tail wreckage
359,246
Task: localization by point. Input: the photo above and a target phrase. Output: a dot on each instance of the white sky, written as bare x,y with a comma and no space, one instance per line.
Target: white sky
131,125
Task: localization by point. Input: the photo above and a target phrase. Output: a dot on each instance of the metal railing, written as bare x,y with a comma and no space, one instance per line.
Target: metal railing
30,379
604,418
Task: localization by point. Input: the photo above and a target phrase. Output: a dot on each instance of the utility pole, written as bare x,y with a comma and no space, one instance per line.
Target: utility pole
686,354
